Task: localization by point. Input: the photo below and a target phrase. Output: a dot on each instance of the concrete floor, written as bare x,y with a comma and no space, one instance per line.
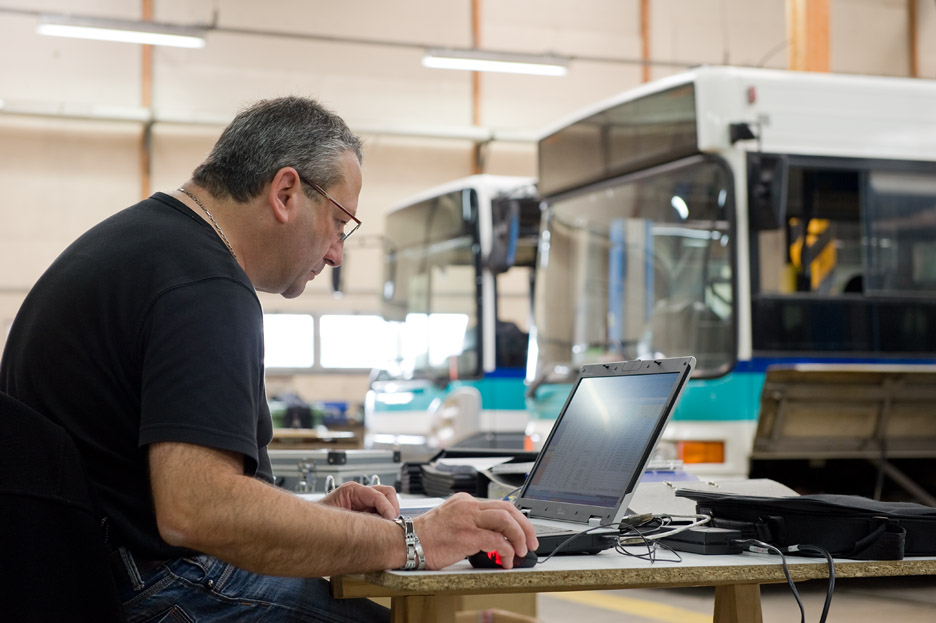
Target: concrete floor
876,600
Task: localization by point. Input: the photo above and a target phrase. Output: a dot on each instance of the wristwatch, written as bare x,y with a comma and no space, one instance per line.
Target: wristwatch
415,558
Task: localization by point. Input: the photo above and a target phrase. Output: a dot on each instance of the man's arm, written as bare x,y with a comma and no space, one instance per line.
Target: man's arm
204,502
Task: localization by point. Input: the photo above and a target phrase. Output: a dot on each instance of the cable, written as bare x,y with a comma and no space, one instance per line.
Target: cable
667,520
628,522
652,545
648,529
759,547
633,523
569,540
830,588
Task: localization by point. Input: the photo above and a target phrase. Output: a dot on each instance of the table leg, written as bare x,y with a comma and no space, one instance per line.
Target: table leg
422,609
739,603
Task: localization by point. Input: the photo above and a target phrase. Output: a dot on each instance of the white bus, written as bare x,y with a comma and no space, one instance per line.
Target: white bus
458,279
747,217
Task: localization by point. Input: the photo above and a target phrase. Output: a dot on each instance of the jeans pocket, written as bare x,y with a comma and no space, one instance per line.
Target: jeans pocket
193,569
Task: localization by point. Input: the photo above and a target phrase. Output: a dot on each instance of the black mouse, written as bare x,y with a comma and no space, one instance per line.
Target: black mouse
492,560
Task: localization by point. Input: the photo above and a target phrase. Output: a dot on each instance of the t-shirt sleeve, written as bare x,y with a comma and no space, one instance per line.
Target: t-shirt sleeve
202,368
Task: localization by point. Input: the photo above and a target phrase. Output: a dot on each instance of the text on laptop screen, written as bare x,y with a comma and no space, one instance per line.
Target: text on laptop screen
601,439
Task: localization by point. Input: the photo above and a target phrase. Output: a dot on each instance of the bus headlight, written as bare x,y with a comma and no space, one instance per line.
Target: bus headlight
700,451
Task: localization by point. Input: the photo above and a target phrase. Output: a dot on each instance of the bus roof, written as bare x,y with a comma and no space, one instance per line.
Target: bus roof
803,113
488,185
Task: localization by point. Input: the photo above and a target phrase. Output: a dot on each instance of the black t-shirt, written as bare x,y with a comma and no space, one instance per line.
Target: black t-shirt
145,329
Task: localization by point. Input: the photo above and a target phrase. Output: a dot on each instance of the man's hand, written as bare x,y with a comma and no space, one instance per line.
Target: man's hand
353,496
464,525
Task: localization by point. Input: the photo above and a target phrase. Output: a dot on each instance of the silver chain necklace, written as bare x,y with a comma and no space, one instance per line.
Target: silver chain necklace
211,218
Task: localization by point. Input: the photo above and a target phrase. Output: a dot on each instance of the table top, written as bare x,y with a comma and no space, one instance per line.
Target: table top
609,570
312,438
312,433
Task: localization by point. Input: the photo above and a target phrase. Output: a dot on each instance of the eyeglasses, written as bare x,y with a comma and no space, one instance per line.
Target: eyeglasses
342,236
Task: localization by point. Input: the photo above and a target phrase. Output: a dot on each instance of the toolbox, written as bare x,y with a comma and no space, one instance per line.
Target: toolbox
311,471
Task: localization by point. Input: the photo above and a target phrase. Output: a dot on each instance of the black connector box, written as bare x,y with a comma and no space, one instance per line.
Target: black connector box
705,540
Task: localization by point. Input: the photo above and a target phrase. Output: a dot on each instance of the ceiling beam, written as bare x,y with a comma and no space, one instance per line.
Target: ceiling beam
912,34
808,27
146,101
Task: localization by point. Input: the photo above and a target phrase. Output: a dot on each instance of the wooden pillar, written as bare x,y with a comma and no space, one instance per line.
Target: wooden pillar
423,609
645,38
477,152
738,604
808,28
146,101
912,32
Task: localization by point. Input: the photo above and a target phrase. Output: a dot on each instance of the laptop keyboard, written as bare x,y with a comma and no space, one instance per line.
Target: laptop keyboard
543,529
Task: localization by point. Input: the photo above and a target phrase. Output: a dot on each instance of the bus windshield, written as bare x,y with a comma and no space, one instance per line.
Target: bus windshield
643,269
430,287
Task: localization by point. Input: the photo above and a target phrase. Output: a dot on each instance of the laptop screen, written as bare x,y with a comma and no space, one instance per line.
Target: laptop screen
600,443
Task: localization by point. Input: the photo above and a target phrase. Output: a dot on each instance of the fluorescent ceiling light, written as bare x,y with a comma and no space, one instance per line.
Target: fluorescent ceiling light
479,60
126,31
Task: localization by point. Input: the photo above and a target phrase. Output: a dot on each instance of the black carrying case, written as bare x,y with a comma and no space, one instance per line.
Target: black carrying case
847,526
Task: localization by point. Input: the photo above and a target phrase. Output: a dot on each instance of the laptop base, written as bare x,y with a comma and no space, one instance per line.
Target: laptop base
583,543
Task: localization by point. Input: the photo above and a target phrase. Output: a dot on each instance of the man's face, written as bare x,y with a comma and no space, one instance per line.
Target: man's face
320,243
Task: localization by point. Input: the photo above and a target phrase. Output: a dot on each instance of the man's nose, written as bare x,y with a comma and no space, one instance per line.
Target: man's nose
334,253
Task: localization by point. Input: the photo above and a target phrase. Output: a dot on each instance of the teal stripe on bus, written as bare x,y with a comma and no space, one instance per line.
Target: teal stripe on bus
505,393
732,397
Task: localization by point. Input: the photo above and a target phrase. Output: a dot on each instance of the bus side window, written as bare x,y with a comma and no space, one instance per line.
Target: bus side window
823,229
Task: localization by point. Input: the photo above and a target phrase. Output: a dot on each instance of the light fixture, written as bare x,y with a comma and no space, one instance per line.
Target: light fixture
480,60
126,31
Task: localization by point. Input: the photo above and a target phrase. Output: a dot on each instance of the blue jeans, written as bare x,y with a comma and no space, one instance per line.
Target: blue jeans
205,589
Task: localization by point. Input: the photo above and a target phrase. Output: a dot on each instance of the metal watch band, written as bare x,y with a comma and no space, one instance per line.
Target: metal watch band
415,558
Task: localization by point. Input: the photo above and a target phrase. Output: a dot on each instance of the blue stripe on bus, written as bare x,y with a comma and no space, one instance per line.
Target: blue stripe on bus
760,364
506,373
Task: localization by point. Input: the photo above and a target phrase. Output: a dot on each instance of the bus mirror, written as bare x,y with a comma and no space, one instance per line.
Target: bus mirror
740,132
505,221
767,189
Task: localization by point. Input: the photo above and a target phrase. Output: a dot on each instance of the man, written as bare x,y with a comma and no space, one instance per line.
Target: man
144,340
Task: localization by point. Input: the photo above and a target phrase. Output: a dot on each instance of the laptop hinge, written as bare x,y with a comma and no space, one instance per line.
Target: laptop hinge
595,521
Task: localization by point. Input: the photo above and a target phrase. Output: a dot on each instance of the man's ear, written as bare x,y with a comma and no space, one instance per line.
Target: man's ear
285,194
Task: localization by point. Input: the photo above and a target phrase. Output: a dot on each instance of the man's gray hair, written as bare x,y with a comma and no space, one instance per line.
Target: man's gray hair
272,134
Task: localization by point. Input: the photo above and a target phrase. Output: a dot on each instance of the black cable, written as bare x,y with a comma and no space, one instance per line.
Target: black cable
569,540
626,523
830,588
759,547
647,528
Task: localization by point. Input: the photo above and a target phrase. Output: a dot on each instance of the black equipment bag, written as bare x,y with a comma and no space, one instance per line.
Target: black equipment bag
848,526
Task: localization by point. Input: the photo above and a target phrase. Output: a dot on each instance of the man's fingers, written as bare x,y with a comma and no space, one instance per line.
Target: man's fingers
379,499
528,535
384,507
505,528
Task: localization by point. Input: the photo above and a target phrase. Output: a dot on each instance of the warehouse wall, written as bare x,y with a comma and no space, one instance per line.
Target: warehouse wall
65,163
